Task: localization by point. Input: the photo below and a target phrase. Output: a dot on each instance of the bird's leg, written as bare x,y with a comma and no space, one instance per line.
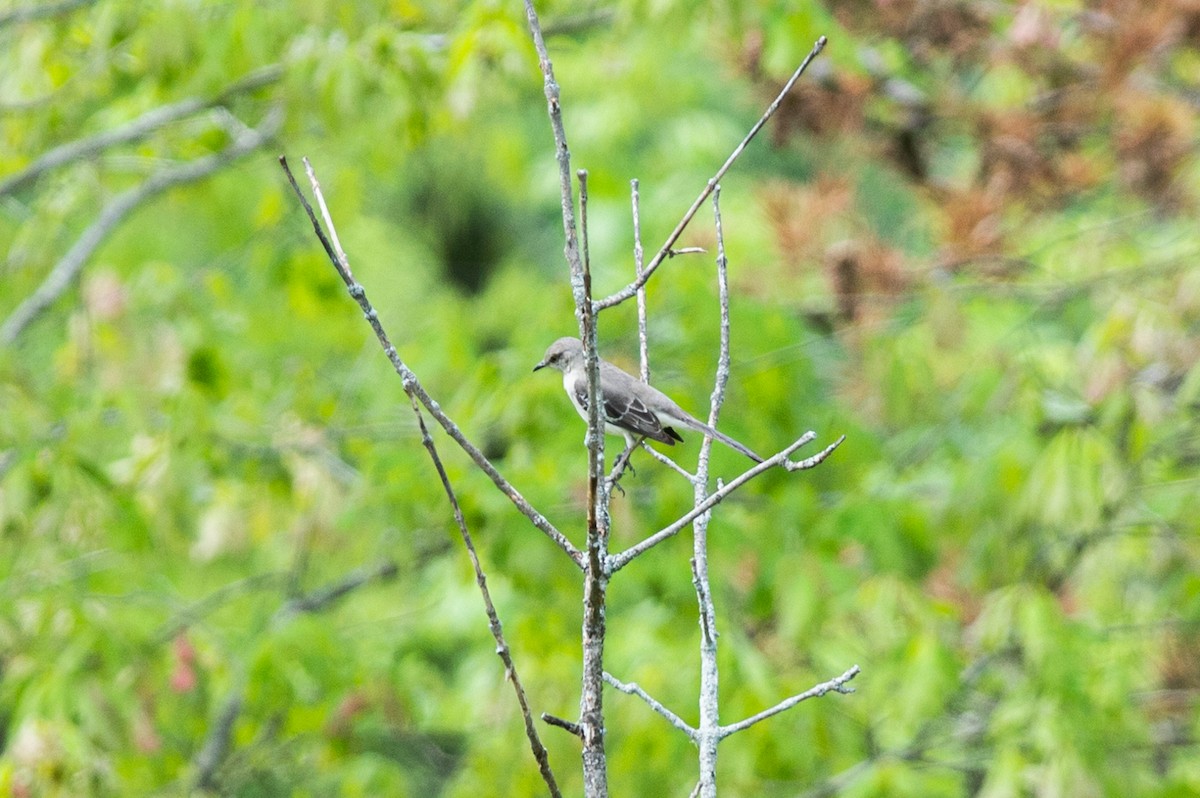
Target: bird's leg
623,462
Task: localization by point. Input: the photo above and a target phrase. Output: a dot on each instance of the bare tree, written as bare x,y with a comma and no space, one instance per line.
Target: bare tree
597,563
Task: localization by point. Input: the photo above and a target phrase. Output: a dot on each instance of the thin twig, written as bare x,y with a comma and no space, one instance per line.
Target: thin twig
638,268
502,649
815,460
924,737
668,462
618,561
632,688
338,252
412,385
631,289
835,685
721,379
137,128
68,268
570,726
562,152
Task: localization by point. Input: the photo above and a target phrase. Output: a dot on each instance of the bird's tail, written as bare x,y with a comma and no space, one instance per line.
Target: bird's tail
700,426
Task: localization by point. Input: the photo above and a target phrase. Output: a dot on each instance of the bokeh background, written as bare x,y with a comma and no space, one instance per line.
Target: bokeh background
967,242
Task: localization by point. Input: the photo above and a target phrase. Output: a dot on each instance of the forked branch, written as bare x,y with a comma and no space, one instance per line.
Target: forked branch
412,385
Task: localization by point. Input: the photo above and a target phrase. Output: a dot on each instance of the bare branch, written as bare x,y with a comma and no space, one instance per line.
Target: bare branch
721,380
502,650
591,717
562,153
135,129
816,459
570,726
72,263
639,267
618,561
339,254
835,685
631,289
708,728
595,580
412,385
633,689
668,462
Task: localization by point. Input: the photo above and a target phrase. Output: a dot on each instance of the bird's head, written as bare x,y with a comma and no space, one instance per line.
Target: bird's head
563,354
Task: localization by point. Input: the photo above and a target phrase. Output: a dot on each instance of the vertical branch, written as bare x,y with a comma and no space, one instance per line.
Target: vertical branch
562,153
638,264
591,698
591,720
722,379
708,733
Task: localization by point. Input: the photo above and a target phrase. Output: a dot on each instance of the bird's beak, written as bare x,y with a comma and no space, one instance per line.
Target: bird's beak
541,365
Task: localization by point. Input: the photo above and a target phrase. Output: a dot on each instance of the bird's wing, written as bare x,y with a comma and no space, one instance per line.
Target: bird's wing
623,409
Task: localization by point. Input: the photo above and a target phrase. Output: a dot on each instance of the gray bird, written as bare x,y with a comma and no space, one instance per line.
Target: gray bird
631,407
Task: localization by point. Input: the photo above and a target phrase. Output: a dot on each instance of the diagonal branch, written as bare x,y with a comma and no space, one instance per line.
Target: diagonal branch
502,650
631,289
835,685
618,561
561,152
412,386
632,688
668,462
72,263
136,129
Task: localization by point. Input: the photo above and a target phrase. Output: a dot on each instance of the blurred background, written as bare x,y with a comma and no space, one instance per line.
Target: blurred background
967,242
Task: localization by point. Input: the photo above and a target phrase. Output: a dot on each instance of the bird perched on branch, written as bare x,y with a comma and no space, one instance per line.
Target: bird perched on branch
631,407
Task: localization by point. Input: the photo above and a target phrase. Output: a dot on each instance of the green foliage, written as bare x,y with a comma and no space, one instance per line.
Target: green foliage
965,242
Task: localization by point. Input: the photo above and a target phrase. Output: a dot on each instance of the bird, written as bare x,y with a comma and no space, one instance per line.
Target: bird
632,408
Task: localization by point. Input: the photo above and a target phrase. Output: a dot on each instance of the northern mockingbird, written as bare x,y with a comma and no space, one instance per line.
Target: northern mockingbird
631,407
